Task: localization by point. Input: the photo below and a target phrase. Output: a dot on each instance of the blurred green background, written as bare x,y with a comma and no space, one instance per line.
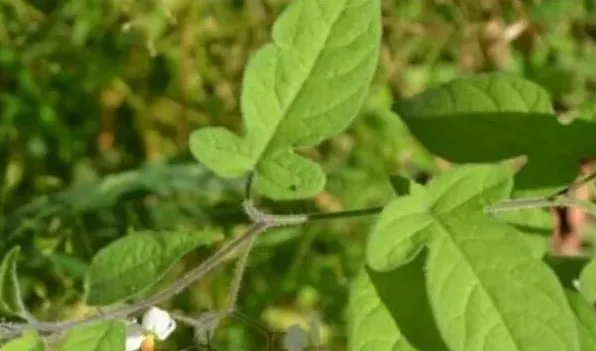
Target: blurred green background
97,99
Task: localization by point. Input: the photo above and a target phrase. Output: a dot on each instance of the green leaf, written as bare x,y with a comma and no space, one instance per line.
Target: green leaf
469,188
306,86
480,271
587,281
99,336
371,326
381,307
480,277
536,224
404,186
138,261
585,319
27,342
10,292
498,116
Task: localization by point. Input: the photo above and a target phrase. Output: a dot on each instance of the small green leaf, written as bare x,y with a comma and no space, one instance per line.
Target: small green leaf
28,342
306,86
587,281
381,307
585,318
99,336
10,293
480,271
138,261
498,116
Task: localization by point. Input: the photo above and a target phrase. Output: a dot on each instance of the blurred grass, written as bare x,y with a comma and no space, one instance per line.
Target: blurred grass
97,99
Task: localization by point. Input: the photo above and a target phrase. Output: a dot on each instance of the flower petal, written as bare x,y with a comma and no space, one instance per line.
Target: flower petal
134,337
158,322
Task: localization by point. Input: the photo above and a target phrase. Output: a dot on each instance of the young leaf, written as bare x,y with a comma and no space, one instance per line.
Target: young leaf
587,281
306,86
136,262
99,336
497,116
28,342
10,293
480,271
585,319
388,301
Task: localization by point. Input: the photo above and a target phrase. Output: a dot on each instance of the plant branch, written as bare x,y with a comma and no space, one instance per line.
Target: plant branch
261,222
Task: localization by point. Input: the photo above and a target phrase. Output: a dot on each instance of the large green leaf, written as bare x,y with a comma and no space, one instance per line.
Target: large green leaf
137,261
381,310
497,116
28,342
10,293
306,86
100,336
480,271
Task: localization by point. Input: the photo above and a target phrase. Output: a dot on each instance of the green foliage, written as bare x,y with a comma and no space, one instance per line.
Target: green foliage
587,281
27,342
500,116
296,94
99,100
99,336
585,319
10,293
136,262
478,269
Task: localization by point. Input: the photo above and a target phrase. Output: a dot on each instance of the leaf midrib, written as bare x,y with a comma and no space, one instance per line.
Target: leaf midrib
489,296
298,92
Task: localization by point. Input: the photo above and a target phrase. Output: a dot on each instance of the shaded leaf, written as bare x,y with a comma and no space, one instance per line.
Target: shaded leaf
10,292
498,116
371,326
391,299
136,262
306,86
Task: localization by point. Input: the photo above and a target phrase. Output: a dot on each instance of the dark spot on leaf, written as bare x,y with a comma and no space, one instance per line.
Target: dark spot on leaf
293,187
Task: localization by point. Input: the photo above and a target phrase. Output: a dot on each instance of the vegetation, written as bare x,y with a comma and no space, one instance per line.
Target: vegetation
139,138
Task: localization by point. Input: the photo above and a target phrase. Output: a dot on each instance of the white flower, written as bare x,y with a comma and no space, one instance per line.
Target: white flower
157,324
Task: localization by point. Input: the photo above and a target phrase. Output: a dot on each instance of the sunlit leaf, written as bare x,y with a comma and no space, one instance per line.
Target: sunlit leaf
28,342
306,86
480,271
99,336
585,318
